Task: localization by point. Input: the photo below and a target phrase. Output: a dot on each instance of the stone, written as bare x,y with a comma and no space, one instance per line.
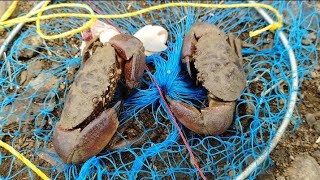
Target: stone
29,46
304,167
44,82
317,127
313,122
47,156
18,111
33,69
23,77
311,119
41,87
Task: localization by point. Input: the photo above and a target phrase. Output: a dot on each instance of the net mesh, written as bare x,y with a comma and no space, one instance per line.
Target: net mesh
37,73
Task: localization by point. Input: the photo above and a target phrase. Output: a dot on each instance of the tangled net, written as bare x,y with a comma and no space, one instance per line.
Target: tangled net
37,73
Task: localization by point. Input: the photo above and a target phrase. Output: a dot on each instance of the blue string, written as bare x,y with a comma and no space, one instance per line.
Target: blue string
221,157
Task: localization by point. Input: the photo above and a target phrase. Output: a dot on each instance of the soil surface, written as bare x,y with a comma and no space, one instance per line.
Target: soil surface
306,139
300,148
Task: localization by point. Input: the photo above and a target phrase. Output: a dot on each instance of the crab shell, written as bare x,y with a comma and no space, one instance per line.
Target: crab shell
219,67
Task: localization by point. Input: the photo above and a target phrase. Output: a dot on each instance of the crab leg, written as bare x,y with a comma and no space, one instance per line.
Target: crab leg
130,53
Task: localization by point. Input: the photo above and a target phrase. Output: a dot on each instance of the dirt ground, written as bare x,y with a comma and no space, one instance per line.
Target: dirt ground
304,140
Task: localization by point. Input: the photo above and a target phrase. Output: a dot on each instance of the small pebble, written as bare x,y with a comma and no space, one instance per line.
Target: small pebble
317,127
315,146
45,82
311,119
291,157
33,69
33,43
314,74
23,77
62,86
231,173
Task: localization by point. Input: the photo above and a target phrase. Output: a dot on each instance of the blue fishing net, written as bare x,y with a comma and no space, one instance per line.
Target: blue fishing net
37,73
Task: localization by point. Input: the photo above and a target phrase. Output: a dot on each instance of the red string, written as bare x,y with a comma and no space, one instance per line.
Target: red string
177,126
165,103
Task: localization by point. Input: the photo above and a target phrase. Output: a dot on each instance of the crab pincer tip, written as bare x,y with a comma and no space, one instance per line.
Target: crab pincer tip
117,105
188,66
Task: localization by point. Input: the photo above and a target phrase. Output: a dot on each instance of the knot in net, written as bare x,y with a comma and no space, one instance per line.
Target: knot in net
36,75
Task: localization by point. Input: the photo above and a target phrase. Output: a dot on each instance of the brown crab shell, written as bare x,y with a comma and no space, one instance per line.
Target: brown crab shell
219,68
92,88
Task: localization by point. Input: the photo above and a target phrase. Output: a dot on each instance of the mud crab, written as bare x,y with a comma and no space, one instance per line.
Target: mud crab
88,120
218,64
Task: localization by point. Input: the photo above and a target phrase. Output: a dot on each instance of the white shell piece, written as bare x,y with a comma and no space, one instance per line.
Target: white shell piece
153,38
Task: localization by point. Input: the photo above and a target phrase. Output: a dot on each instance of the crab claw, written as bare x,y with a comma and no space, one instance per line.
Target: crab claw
154,39
130,53
78,145
212,120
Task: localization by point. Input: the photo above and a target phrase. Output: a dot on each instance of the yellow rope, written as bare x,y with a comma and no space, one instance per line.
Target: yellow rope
92,16
9,12
28,18
23,159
